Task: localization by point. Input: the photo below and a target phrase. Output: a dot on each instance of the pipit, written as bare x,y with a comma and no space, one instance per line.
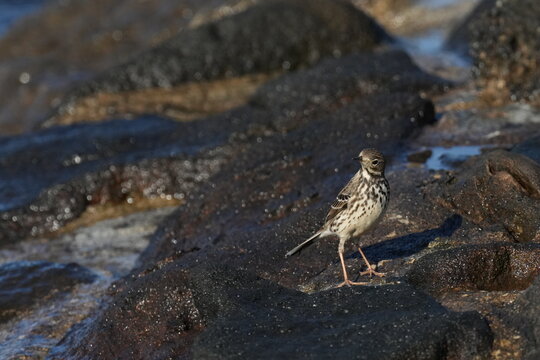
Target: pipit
357,208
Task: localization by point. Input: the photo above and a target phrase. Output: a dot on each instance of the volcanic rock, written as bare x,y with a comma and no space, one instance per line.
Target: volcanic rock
108,163
48,52
111,163
282,171
270,170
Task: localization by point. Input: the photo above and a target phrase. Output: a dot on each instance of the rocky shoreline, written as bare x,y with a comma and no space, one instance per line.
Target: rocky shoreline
177,179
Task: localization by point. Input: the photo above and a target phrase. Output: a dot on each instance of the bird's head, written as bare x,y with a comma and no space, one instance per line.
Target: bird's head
372,161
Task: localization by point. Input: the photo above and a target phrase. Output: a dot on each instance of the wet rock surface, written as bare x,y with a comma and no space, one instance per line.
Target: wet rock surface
229,308
271,37
466,120
154,157
281,169
162,316
499,187
22,284
261,203
83,166
492,267
350,329
108,248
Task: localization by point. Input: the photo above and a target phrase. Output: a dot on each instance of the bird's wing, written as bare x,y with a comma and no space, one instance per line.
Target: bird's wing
342,198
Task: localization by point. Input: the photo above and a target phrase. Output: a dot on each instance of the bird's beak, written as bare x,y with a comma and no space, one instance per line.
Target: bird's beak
357,158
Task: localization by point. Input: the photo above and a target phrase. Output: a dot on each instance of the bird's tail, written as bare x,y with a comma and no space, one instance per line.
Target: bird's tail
305,243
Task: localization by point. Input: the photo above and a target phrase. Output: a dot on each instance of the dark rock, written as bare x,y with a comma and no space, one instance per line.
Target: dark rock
346,323
505,47
413,243
281,184
485,125
261,39
24,283
357,75
524,315
110,163
63,153
451,160
107,163
162,316
492,267
420,157
288,172
237,315
286,161
498,187
502,39
274,36
460,38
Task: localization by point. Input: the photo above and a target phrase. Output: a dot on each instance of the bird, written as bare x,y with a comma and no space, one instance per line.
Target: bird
358,207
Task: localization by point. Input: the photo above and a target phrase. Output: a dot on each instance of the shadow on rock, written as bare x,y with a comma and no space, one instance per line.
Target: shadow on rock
411,244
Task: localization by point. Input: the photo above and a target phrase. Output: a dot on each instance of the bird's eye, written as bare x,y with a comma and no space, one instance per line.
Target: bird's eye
375,162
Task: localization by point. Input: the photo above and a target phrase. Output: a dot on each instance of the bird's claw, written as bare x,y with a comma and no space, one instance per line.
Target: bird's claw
370,271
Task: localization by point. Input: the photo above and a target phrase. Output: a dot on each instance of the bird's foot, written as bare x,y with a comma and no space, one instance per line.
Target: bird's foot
371,271
351,283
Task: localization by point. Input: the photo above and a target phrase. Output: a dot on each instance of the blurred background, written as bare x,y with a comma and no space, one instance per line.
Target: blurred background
48,47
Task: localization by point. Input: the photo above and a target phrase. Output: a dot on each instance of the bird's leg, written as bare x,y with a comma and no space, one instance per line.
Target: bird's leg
370,271
346,278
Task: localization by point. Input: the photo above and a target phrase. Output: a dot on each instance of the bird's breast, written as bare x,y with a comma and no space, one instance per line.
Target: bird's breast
365,209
